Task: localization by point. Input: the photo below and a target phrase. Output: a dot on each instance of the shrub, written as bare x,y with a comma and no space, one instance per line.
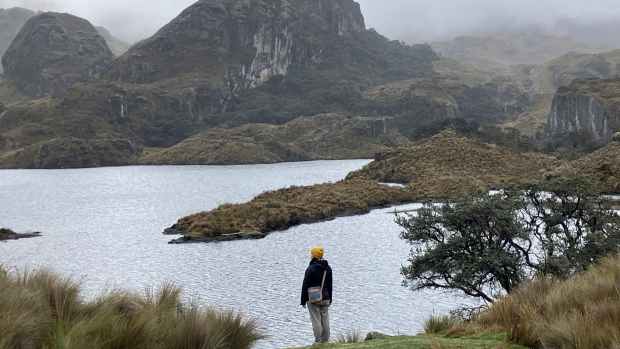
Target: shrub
488,244
42,310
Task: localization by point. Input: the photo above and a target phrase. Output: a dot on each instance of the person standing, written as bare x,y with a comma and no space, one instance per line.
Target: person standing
316,294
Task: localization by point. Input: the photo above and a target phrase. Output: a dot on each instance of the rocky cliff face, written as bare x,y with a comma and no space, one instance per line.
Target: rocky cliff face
245,42
241,44
11,22
585,113
52,52
222,64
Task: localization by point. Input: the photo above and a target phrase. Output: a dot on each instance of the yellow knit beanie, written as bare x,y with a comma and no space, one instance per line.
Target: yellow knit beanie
317,252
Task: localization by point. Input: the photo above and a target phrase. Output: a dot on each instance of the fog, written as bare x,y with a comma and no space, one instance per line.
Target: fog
409,20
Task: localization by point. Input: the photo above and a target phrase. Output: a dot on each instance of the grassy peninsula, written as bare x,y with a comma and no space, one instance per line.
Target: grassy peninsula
284,208
445,166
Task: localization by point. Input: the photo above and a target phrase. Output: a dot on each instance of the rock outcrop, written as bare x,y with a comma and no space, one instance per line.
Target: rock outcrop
243,44
562,71
425,101
586,113
11,22
52,52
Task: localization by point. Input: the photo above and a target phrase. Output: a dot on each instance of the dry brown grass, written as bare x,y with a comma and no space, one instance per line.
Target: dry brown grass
448,165
40,310
603,165
284,208
580,313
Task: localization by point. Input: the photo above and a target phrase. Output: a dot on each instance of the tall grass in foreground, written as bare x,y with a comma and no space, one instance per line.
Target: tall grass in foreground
580,313
440,324
40,310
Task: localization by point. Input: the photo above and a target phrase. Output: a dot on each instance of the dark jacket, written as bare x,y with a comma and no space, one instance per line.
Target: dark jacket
314,277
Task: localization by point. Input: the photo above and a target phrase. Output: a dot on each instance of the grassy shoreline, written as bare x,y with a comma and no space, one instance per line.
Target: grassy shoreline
432,170
445,166
481,341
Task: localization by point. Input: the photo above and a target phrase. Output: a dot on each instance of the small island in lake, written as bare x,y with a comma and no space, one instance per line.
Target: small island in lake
7,234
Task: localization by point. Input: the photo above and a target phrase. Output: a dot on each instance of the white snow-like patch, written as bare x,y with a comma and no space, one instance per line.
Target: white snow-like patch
394,185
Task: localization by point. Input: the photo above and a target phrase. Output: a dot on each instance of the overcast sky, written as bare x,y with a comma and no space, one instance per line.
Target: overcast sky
411,20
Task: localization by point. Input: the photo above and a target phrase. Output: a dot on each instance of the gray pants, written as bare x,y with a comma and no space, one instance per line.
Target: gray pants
319,315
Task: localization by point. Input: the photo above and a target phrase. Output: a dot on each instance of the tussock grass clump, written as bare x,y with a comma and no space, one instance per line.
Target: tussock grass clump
42,310
440,324
284,208
580,313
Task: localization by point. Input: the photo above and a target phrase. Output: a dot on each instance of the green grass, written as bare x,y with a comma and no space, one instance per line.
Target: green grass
485,341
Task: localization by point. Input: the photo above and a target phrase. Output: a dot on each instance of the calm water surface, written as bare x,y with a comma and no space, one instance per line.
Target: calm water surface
103,227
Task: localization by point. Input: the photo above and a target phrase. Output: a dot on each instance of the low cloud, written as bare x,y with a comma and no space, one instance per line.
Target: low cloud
410,20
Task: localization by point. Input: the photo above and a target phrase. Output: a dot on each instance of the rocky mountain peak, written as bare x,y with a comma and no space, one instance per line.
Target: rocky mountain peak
52,52
242,42
11,21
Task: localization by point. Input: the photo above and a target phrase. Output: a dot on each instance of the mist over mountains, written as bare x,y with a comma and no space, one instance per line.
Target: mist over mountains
240,81
408,20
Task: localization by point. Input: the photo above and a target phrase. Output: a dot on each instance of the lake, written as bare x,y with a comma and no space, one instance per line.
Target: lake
103,227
